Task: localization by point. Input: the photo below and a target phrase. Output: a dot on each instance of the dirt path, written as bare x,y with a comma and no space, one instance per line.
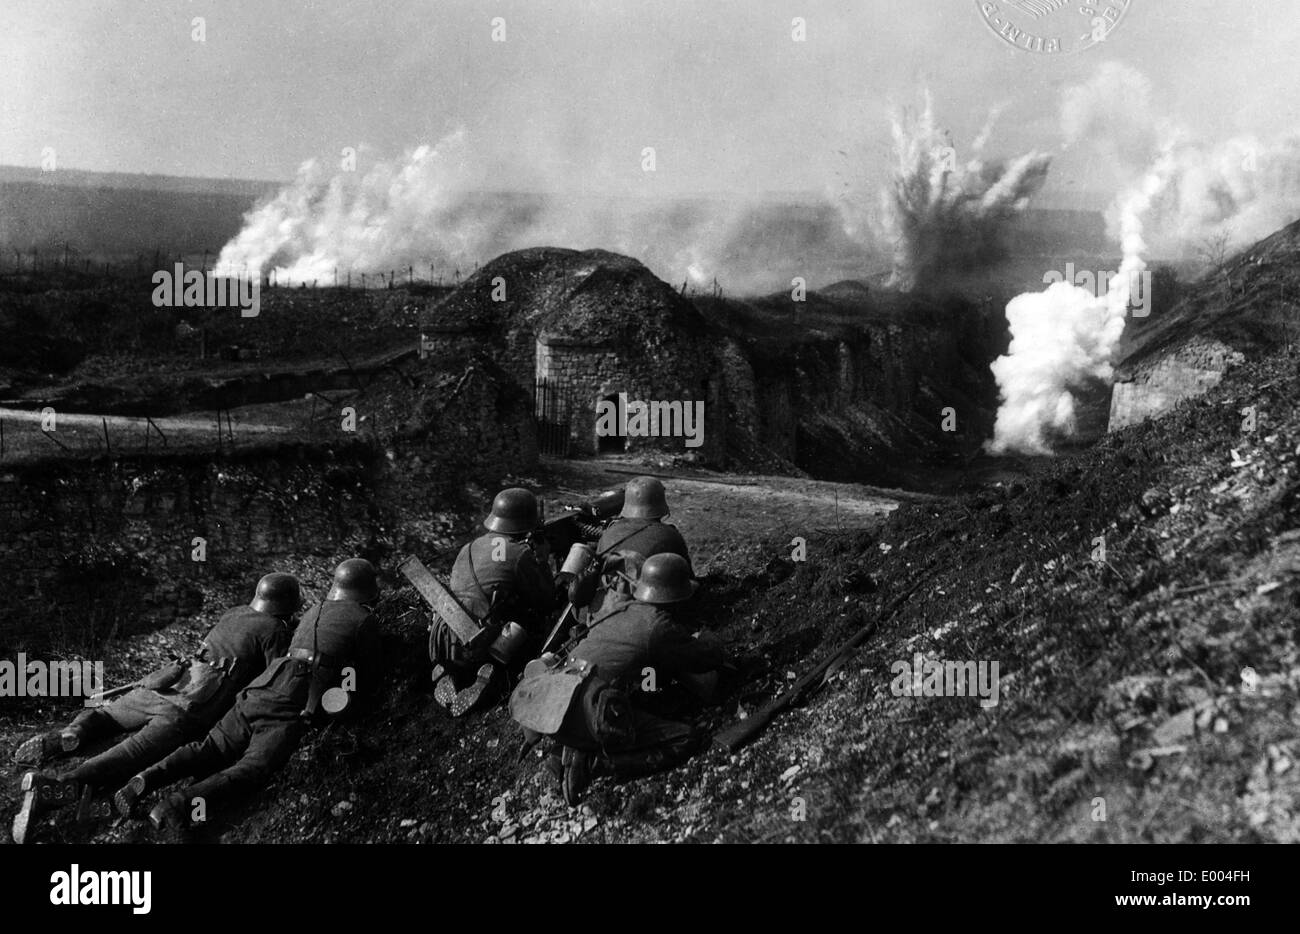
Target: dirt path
726,517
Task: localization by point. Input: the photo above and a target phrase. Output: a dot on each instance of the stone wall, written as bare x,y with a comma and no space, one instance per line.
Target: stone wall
94,548
584,374
1157,384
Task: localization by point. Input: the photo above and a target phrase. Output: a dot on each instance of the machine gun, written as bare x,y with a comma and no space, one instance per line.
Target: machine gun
582,523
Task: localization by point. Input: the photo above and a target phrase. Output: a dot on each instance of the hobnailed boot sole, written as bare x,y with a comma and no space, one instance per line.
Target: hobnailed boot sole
38,750
469,697
444,688
126,797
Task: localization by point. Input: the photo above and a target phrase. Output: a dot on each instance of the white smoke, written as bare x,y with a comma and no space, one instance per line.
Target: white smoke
435,208
1243,188
939,214
390,216
1065,337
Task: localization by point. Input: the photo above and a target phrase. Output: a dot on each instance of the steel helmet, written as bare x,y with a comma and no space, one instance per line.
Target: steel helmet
277,594
513,511
355,579
644,498
664,578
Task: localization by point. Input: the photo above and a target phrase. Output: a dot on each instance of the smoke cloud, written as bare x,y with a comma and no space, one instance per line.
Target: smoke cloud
1243,188
938,214
435,207
1065,337
1189,191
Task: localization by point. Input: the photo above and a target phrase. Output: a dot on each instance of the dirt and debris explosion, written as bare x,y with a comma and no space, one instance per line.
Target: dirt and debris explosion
942,215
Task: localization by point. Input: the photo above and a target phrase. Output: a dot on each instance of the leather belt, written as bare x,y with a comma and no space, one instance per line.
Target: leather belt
222,663
313,658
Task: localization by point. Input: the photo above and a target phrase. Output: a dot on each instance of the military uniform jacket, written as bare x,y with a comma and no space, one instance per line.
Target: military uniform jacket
339,634
645,536
633,636
523,586
236,650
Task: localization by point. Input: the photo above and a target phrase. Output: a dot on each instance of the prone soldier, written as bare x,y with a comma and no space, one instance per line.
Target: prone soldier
170,706
336,644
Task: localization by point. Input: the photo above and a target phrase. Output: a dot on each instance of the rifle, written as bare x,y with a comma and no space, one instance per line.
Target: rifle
742,731
96,700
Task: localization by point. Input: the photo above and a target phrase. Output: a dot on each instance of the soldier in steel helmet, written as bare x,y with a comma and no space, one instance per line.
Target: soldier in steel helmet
638,533
621,645
169,708
334,652
503,578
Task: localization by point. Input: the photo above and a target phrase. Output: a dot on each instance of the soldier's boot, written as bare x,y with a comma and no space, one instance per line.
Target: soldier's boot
46,746
444,687
36,801
469,697
126,797
580,768
168,815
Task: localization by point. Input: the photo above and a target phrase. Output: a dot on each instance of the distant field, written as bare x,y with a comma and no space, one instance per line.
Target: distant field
82,435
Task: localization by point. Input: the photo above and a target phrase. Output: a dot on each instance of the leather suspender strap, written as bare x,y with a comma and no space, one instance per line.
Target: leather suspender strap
601,554
490,598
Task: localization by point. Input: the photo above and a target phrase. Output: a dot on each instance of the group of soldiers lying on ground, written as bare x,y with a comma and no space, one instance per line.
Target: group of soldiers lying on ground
232,714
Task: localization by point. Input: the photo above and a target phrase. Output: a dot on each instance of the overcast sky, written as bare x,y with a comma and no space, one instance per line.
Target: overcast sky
718,87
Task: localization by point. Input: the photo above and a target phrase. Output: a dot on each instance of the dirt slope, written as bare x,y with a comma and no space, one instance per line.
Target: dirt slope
1120,680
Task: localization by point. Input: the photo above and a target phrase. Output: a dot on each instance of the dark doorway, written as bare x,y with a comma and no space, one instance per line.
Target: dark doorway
610,444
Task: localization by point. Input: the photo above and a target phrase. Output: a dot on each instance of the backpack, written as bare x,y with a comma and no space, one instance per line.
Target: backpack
567,701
